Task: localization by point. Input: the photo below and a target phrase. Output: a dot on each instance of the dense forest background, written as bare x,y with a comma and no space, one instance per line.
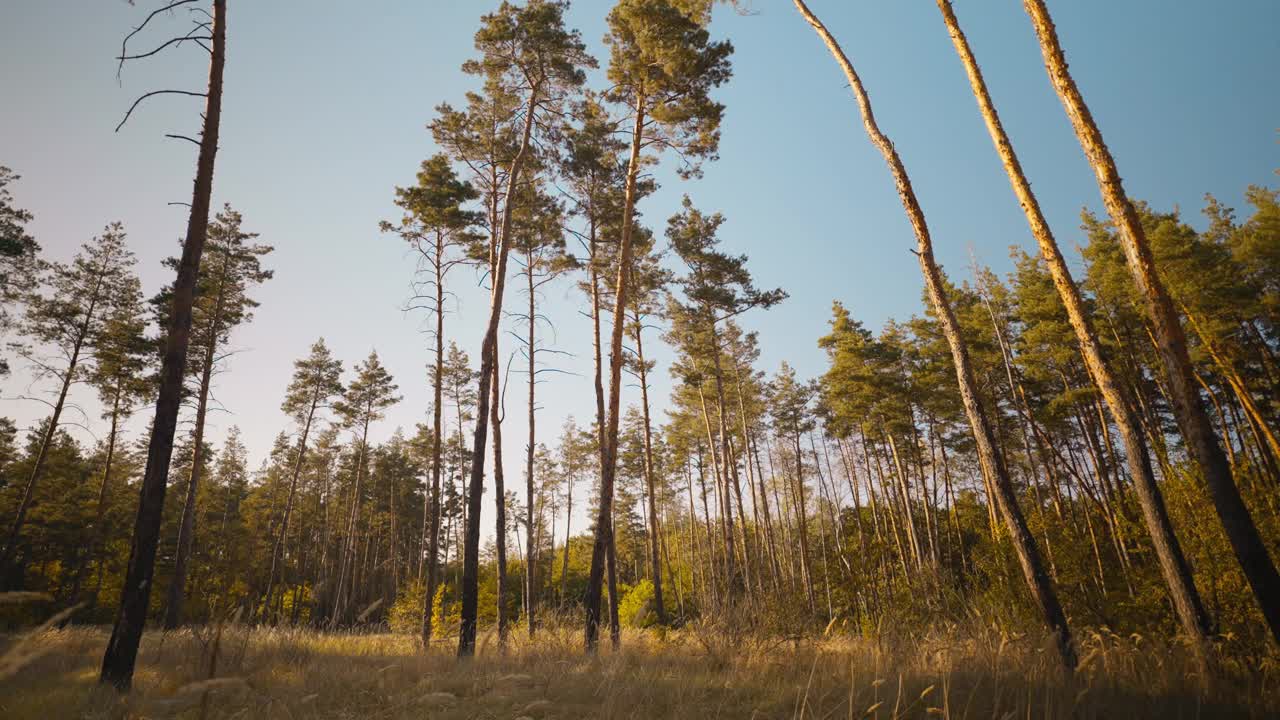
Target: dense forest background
921,470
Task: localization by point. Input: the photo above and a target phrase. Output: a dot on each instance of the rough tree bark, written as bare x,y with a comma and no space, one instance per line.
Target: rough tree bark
122,649
989,458
1173,564
1171,341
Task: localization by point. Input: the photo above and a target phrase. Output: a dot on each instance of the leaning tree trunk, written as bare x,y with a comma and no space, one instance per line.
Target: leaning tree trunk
99,536
277,549
1173,564
437,389
1171,342
122,649
603,542
187,529
488,361
989,457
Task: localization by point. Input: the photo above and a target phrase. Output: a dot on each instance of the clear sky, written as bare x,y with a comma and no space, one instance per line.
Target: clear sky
324,114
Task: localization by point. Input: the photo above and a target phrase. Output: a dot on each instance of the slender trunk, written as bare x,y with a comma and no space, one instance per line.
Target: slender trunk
437,429
992,465
1188,407
99,537
732,488
347,562
187,529
604,516
122,649
656,568
488,361
802,521
531,546
278,548
500,505
46,440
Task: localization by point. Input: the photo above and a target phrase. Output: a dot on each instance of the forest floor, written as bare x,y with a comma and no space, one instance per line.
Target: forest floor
692,673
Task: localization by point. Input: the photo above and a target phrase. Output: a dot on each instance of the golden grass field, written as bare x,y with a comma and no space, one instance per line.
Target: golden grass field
699,673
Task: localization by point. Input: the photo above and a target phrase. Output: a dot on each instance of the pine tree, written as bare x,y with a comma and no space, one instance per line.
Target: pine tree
69,322
17,252
231,267
525,52
368,396
317,380
662,67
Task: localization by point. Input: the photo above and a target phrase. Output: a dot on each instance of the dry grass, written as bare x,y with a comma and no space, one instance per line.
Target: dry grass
698,673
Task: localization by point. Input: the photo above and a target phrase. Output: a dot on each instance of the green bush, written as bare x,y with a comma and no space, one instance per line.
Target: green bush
636,608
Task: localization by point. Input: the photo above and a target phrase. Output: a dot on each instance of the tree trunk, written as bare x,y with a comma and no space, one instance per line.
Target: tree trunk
187,530
992,465
531,547
344,594
604,516
122,649
802,522
1188,407
654,540
437,428
278,547
99,537
488,361
500,500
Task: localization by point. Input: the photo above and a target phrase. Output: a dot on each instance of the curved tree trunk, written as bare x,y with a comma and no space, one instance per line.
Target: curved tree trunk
1173,564
1193,421
122,649
984,435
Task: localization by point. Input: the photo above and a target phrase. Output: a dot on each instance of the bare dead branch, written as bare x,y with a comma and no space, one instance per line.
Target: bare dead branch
156,92
124,44
167,43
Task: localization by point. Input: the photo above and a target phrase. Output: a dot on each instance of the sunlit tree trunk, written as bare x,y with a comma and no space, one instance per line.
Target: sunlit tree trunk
1188,407
992,464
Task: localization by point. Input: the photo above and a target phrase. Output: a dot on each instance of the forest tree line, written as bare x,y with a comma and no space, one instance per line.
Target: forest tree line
1033,449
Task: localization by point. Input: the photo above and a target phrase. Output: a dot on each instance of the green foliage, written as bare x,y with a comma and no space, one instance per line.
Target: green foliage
636,607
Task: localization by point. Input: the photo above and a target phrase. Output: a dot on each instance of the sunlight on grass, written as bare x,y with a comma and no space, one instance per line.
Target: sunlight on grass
696,672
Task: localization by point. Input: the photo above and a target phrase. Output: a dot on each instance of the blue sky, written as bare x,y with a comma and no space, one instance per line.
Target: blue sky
325,109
